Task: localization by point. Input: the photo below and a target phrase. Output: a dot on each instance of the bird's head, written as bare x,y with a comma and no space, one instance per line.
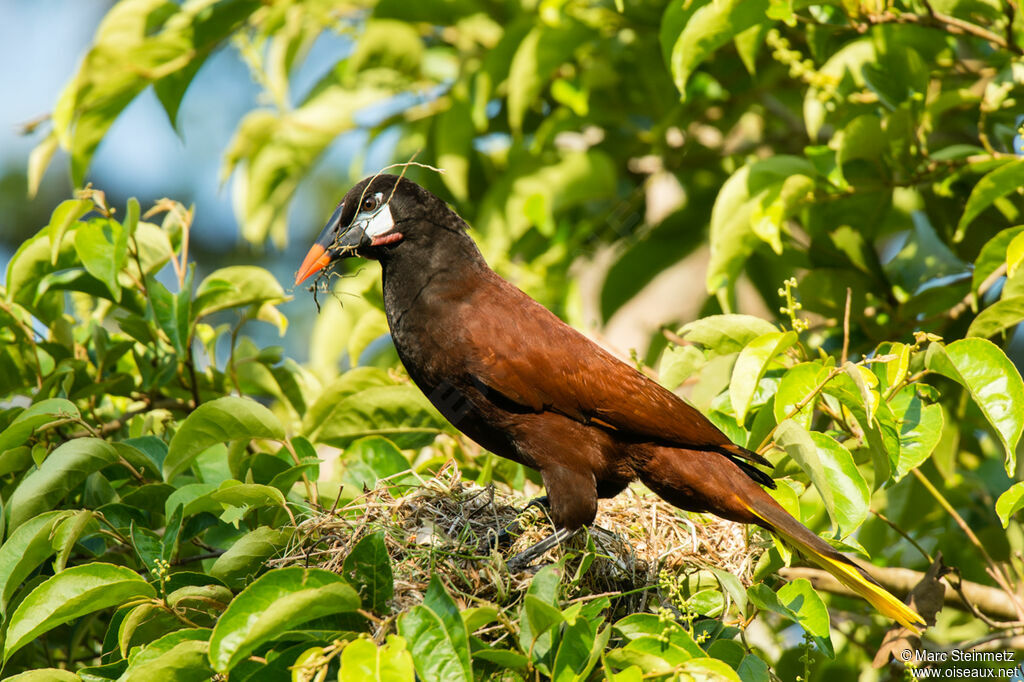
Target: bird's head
375,217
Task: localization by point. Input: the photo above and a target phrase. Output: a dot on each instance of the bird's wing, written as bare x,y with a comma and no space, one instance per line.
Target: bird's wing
526,354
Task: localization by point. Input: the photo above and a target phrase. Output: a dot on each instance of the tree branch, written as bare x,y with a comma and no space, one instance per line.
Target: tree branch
940,21
899,581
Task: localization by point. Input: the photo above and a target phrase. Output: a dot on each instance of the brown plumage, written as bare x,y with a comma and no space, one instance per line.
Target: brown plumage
513,377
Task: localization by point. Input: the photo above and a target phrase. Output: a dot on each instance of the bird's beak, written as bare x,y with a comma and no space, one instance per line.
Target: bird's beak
330,247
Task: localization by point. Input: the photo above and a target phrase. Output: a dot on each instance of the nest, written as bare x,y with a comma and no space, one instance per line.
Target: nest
465,533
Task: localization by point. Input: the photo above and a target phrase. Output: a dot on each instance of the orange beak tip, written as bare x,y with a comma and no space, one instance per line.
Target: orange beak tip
316,260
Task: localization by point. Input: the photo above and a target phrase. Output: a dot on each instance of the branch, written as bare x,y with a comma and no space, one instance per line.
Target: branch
989,600
940,21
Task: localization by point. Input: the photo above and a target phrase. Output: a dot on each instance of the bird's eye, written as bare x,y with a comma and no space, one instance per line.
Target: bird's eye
371,203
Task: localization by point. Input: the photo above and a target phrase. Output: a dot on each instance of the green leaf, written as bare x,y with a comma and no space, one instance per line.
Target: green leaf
34,418
539,613
653,645
920,429
579,650
179,656
998,317
733,237
751,365
171,312
847,63
542,51
368,328
61,472
236,286
138,43
368,569
347,384
279,600
249,554
993,255
776,206
992,381
66,214
453,139
862,138
362,660
248,495
1014,255
67,534
102,245
45,675
796,385
726,333
798,602
898,75
26,548
219,421
437,637
38,161
712,25
1005,179
831,469
1010,502
677,364
369,459
477,617
279,149
75,592
401,413
880,430
144,623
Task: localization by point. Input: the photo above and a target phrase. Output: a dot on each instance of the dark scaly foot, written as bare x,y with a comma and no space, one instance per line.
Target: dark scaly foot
528,555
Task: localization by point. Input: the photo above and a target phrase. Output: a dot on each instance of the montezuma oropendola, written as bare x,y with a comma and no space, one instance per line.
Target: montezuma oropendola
517,380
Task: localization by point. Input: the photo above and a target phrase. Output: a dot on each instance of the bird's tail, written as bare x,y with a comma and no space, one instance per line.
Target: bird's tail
819,552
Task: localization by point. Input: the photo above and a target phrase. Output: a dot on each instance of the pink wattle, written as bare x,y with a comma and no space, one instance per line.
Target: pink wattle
386,239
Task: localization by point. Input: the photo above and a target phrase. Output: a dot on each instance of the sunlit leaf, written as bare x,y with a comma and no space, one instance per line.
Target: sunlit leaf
275,602
992,381
831,469
710,26
61,472
751,365
219,421
1005,179
68,595
236,286
362,660
798,602
1010,502
437,637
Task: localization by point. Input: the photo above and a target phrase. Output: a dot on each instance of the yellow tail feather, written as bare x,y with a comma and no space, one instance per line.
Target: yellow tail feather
849,575
876,595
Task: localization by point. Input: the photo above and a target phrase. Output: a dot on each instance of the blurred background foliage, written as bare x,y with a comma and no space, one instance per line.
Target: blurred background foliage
632,164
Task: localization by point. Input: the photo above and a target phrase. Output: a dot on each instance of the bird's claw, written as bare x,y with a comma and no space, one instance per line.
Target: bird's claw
528,555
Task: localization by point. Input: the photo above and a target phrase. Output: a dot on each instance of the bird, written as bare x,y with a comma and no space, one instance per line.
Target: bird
517,380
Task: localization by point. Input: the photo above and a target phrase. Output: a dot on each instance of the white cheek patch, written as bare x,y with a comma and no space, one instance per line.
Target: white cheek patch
379,223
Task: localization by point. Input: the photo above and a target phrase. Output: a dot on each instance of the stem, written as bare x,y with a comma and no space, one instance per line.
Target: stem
940,21
993,567
846,327
904,535
311,491
799,406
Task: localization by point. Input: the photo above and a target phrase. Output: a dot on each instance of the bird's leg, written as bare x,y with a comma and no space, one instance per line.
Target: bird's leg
541,502
524,558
